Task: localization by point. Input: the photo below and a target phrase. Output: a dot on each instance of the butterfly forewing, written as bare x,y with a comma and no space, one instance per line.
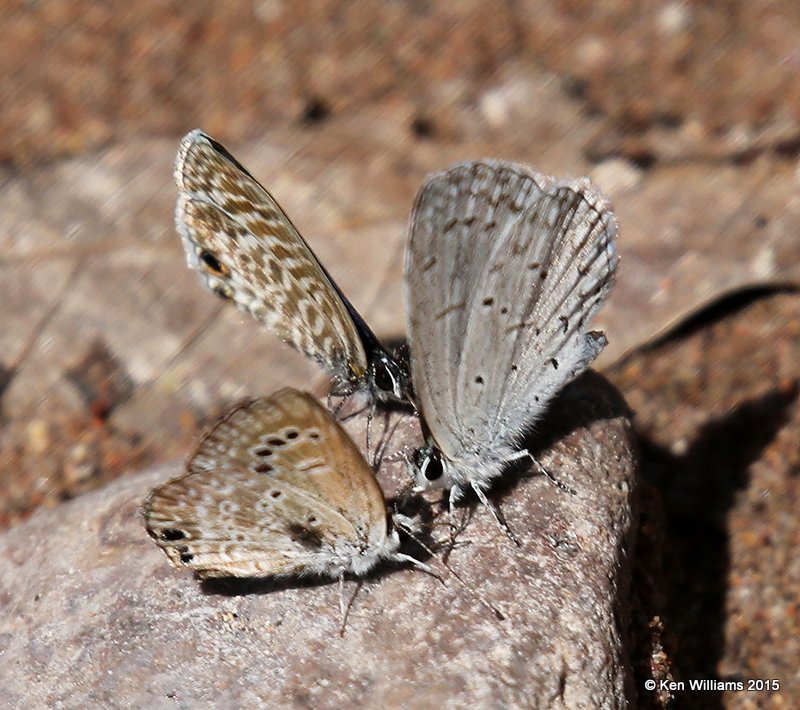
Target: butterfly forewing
276,487
247,250
504,270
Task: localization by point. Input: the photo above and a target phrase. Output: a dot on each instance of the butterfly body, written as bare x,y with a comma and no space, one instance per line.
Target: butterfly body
247,251
504,270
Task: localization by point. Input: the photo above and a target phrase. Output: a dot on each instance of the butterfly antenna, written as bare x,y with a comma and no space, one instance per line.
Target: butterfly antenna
401,454
469,587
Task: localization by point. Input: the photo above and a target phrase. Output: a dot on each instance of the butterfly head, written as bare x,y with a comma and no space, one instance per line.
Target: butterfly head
430,468
390,378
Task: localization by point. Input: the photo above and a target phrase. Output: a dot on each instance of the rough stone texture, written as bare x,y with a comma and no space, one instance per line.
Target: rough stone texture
94,615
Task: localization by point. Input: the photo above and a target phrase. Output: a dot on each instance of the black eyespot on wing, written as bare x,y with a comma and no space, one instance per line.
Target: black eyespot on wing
311,539
554,363
263,468
276,441
264,452
488,301
172,534
186,556
504,310
314,435
275,494
479,380
212,263
543,274
291,434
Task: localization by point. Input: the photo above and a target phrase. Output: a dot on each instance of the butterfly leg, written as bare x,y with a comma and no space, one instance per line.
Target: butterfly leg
385,440
341,597
344,609
400,557
541,469
424,568
497,513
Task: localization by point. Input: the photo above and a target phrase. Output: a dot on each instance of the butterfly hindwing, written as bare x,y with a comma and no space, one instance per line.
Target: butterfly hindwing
276,487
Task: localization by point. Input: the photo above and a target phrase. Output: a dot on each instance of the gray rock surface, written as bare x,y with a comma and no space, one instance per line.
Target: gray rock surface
95,616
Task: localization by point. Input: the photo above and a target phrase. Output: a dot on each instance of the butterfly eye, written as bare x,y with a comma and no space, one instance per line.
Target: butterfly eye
387,376
432,467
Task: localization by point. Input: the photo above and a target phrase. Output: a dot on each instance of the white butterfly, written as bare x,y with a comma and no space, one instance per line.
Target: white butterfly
504,270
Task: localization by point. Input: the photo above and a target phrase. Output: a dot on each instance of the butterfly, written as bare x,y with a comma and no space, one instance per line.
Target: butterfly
247,251
504,270
275,488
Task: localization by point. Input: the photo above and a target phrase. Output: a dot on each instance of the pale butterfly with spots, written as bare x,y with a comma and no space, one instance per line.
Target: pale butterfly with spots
504,270
247,251
275,488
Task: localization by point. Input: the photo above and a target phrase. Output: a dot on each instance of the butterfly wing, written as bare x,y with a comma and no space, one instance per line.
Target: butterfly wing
248,251
504,270
276,487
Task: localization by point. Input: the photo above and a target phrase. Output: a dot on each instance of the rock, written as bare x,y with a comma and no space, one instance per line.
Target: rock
95,615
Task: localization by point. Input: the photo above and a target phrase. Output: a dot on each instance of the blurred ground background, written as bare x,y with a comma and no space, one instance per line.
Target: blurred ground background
687,115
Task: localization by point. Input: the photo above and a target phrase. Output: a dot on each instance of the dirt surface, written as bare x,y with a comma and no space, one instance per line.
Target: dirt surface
717,407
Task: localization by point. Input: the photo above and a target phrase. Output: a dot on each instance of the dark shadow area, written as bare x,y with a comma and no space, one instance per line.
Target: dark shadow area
698,489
